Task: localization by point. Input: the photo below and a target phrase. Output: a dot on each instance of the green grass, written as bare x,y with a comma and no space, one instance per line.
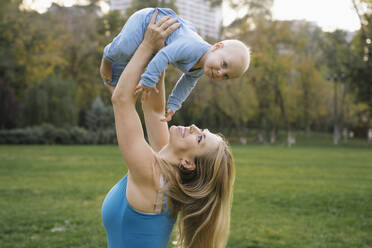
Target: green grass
304,196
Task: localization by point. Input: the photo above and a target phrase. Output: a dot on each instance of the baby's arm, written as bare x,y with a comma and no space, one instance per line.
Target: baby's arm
181,91
157,65
154,69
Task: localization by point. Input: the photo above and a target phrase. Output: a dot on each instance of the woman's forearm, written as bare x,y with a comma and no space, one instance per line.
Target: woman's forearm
124,90
156,102
153,111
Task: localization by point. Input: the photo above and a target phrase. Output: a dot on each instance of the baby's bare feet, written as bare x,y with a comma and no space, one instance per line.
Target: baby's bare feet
106,70
168,115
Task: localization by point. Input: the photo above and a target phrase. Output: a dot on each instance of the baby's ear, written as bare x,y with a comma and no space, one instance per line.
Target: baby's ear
217,45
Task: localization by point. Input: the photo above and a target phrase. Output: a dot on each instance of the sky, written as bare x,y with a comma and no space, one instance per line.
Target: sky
328,14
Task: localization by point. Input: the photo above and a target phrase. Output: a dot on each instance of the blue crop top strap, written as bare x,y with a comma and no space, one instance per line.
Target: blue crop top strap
129,228
158,207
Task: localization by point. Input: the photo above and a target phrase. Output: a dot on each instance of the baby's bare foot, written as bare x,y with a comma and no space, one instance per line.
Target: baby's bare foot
106,70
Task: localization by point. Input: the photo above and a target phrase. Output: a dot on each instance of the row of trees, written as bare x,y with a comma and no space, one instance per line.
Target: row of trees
300,77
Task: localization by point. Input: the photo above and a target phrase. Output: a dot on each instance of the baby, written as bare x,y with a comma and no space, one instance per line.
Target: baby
184,48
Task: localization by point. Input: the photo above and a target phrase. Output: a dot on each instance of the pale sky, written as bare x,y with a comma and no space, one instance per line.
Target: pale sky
328,14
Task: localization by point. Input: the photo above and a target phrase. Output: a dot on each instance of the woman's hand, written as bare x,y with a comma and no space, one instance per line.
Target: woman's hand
146,91
157,33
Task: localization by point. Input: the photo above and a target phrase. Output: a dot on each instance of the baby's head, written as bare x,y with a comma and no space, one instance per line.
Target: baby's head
226,60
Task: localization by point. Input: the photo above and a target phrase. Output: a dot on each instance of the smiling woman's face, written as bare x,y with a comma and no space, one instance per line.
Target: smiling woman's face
191,141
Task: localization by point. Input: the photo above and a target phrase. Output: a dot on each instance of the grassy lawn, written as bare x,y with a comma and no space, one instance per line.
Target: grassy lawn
304,196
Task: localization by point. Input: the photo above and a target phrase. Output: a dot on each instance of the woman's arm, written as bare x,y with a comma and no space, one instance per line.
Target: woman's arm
135,151
153,110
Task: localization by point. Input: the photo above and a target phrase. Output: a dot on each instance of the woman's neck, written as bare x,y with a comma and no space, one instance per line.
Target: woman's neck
168,154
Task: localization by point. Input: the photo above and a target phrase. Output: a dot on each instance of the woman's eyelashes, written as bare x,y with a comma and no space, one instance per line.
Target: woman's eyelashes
199,138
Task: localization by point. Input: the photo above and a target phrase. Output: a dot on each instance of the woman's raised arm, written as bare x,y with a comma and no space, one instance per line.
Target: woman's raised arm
135,150
153,110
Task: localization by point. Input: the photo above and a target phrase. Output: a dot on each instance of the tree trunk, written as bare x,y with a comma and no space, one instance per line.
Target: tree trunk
274,134
306,108
260,137
307,130
364,33
279,99
291,138
336,131
342,106
342,111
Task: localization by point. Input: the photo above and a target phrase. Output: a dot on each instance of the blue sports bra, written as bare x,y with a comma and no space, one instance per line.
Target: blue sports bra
129,228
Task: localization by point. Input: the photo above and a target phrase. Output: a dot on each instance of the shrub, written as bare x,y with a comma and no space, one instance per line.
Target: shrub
49,134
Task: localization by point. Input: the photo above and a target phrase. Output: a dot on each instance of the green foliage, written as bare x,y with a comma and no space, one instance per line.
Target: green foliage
44,134
287,85
8,106
81,50
53,101
49,134
10,32
337,53
361,66
252,9
100,116
100,121
109,26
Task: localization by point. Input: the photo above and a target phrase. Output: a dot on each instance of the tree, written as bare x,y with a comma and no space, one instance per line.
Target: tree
52,101
236,99
8,106
366,35
308,63
337,52
80,51
253,8
271,71
99,116
361,66
101,122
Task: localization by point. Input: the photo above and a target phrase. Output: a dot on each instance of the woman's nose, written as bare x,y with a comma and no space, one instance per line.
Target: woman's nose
193,128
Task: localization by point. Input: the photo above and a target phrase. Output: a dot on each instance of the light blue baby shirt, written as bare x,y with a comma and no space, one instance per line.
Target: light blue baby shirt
183,49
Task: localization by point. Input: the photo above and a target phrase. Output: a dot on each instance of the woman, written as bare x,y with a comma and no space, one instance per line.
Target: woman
187,172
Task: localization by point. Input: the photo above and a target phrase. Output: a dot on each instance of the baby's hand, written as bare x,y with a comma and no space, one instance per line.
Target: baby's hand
146,91
106,70
168,115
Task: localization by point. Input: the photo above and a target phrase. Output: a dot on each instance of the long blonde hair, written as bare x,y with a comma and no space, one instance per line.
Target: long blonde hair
202,198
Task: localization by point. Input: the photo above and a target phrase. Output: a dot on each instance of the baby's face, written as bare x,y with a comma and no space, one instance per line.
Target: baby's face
224,62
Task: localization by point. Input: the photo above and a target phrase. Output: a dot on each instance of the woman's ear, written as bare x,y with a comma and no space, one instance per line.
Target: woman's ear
217,46
187,164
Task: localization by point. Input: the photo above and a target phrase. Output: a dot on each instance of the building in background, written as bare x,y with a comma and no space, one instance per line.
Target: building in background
206,19
121,5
